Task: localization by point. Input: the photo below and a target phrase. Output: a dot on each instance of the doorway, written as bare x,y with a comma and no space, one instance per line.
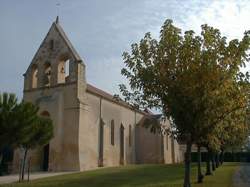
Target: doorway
46,157
45,163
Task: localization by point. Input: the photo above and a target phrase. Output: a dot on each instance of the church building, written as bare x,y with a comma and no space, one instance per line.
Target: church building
91,128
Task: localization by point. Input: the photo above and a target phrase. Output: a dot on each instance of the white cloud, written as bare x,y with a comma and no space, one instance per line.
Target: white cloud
102,30
231,17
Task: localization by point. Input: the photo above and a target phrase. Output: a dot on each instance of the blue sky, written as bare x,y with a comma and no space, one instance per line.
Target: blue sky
101,30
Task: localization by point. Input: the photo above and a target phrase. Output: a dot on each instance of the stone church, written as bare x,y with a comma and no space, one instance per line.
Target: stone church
91,128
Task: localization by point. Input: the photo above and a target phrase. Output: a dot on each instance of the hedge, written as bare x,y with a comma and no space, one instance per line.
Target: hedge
228,156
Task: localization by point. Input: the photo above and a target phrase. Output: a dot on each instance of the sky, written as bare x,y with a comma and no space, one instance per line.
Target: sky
101,30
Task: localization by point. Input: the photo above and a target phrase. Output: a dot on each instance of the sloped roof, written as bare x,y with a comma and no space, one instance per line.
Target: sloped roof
67,41
98,92
61,32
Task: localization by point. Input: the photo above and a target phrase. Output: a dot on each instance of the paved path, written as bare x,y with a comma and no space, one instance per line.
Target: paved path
241,177
38,175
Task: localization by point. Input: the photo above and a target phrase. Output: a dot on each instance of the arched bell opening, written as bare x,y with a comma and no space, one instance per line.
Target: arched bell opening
63,70
47,74
34,74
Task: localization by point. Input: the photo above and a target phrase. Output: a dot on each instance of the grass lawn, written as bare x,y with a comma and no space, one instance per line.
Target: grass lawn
135,175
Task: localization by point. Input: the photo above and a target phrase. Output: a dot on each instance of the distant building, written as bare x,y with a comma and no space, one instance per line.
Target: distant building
91,128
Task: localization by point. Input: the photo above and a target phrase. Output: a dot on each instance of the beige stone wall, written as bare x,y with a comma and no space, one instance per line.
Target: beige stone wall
146,147
149,146
64,111
98,108
168,150
178,157
154,148
35,157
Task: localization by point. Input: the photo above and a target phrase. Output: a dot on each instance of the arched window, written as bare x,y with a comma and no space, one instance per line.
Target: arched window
101,141
63,71
167,141
47,74
112,132
45,114
122,151
51,44
34,76
130,136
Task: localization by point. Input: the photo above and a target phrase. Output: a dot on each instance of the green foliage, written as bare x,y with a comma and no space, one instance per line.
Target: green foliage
36,131
192,79
8,103
21,126
195,80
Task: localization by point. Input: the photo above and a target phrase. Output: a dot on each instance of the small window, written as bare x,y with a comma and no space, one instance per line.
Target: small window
130,136
51,44
112,132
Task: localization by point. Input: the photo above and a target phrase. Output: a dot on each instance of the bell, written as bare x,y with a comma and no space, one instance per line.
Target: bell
46,80
62,70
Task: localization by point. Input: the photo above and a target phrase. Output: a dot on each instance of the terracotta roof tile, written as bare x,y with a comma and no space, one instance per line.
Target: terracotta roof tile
96,91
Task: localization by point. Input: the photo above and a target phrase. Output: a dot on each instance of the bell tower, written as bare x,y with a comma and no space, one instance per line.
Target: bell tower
55,63
55,81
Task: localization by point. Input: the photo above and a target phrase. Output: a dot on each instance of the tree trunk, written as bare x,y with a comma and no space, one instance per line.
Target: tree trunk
217,160
213,161
1,158
187,182
200,176
24,162
233,155
222,157
208,169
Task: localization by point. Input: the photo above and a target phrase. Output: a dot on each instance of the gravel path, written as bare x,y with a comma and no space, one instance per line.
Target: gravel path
14,178
241,177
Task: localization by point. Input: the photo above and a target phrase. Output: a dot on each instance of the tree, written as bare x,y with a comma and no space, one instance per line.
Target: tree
8,103
21,126
225,111
182,76
41,133
36,131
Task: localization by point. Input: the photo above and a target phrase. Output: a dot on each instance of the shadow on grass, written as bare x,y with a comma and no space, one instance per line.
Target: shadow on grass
128,176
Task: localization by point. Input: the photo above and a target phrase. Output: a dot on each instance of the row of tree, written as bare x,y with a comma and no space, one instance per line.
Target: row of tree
22,127
197,83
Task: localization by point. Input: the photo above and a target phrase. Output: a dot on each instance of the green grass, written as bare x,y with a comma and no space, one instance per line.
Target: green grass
135,175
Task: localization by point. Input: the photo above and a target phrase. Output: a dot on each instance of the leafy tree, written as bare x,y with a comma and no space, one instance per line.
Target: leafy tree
20,126
36,131
247,145
188,78
225,112
8,103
